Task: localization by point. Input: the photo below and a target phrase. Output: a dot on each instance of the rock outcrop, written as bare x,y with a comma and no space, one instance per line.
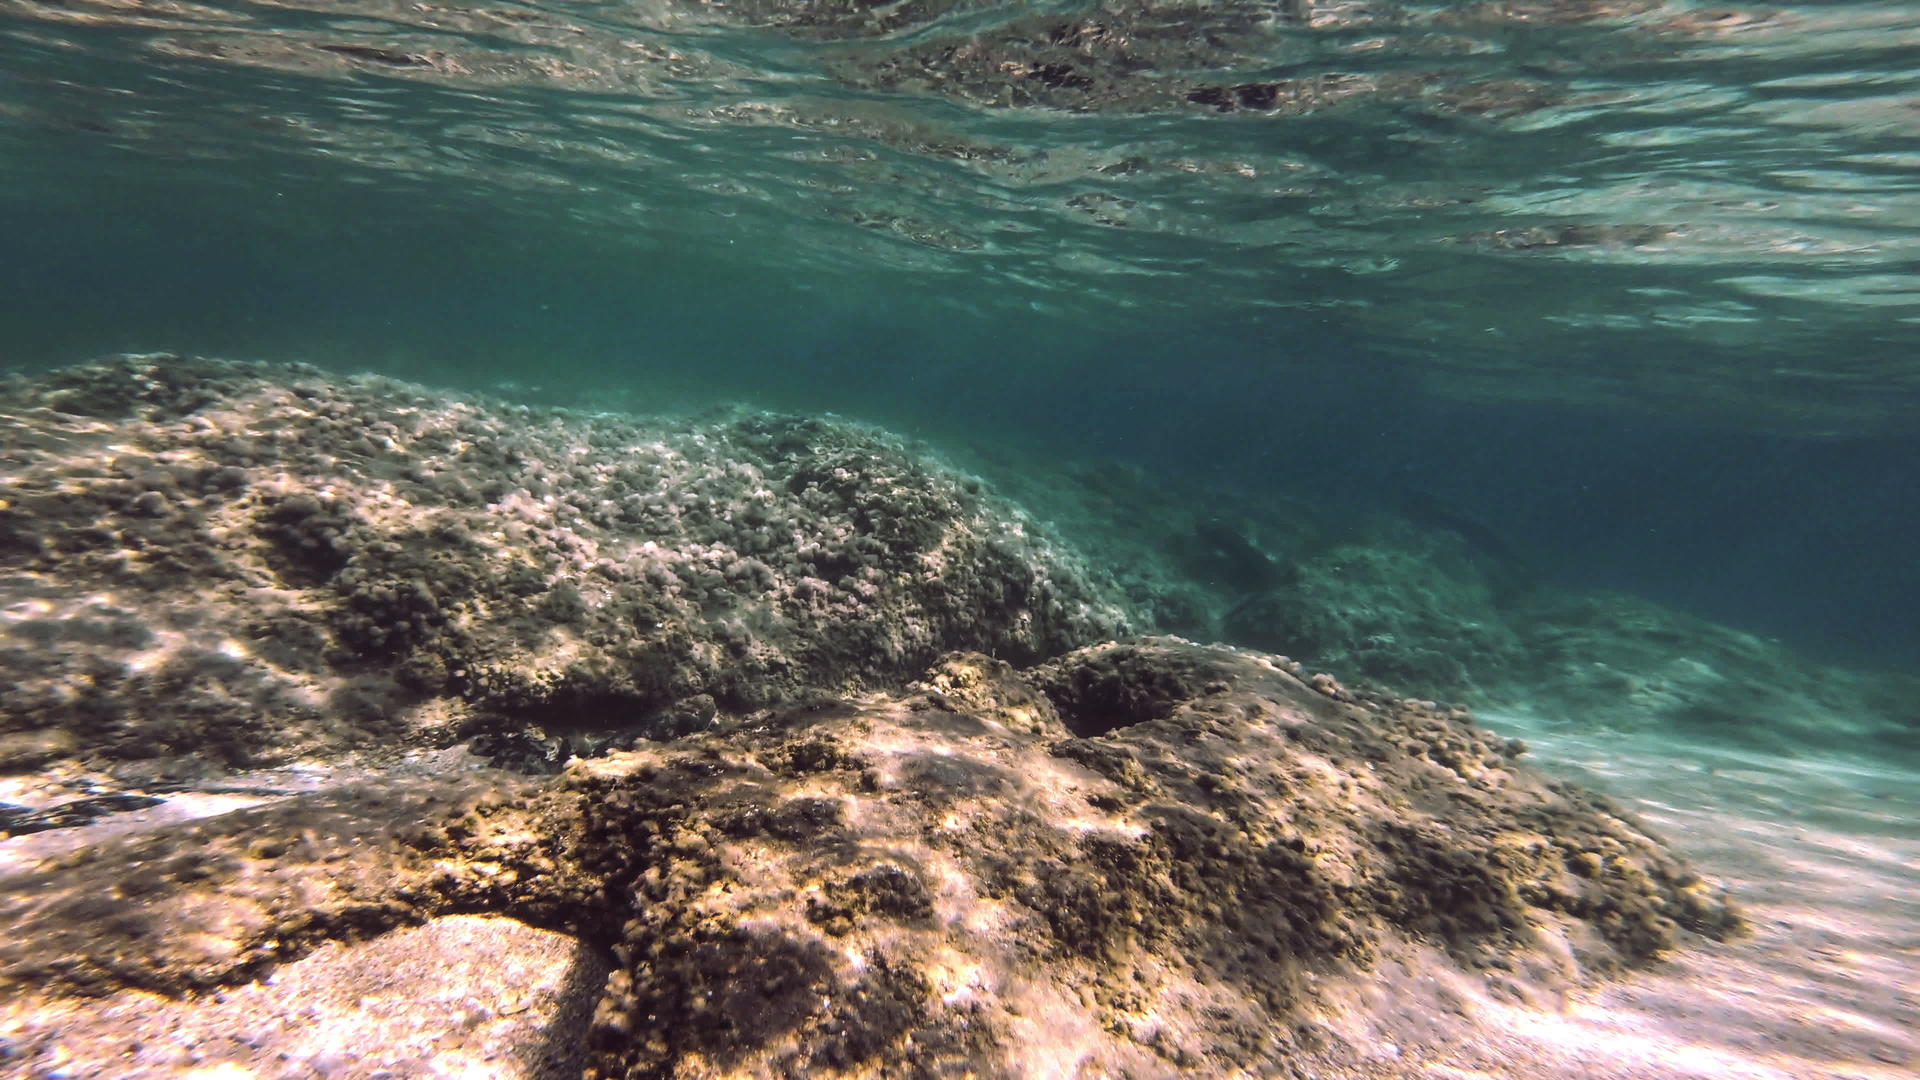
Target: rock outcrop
765,772
1139,857
208,565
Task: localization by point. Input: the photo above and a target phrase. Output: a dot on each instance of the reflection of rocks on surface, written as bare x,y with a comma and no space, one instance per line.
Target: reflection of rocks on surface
1547,237
952,138
947,878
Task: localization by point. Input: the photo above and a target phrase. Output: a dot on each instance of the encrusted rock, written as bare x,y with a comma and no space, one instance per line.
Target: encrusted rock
813,747
910,885
215,563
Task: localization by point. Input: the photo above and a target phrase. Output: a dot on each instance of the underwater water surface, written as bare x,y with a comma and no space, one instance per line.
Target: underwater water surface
1560,358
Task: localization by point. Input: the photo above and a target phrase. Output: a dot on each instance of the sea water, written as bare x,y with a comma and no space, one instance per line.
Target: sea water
1606,309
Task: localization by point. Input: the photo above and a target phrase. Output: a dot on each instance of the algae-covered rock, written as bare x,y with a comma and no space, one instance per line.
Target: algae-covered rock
208,565
1172,854
819,762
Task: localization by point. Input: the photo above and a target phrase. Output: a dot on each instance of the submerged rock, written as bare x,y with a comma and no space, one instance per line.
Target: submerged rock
207,565
792,815
1140,856
1411,596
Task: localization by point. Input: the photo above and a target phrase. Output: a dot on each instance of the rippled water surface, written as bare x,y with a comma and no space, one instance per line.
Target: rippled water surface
1557,356
1549,198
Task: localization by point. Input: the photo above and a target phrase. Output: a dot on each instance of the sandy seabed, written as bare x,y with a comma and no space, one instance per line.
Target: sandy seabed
1824,855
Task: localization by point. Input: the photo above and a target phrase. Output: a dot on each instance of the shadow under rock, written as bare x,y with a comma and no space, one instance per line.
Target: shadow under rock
561,1053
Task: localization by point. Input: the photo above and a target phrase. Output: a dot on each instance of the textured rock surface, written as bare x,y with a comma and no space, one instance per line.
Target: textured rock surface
1137,857
460,996
263,631
207,565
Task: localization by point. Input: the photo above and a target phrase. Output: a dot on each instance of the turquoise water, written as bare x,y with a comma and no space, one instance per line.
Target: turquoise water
1556,358
1628,284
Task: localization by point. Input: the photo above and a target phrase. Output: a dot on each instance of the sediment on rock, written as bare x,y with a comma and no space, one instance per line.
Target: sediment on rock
946,877
209,565
814,743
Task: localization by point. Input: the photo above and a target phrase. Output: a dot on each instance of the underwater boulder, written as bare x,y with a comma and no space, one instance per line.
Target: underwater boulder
823,767
220,565
1389,610
1244,870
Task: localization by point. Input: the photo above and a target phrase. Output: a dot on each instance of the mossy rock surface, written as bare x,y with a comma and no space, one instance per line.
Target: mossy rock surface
221,565
942,879
840,763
